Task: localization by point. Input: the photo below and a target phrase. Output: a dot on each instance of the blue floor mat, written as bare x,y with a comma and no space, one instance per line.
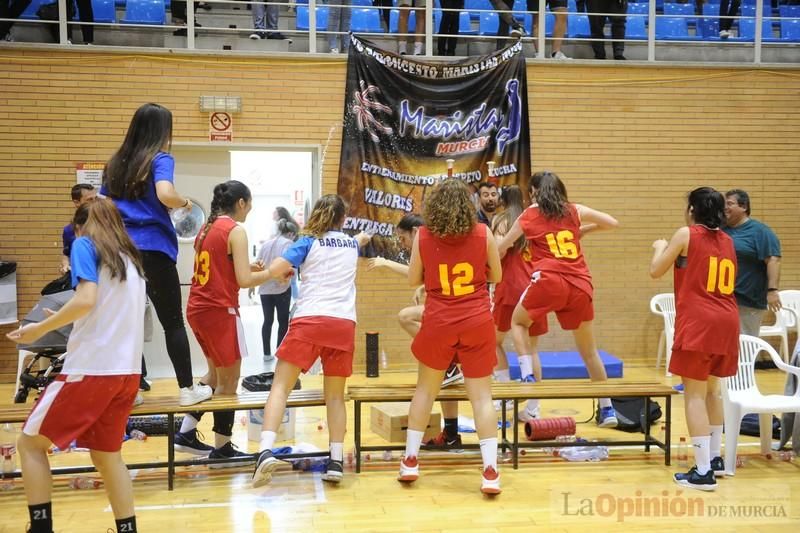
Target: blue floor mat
566,365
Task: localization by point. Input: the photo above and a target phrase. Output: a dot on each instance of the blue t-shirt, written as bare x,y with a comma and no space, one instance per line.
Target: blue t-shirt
146,218
754,243
67,238
83,261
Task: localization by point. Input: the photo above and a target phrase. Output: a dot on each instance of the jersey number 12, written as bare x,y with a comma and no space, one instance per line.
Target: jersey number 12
462,282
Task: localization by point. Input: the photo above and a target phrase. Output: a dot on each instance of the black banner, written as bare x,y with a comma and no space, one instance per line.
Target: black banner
404,119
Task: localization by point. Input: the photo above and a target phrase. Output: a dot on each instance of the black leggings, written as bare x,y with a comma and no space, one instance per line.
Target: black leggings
728,10
272,303
449,25
164,290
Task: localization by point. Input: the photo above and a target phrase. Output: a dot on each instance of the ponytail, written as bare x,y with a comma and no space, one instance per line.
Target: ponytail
550,195
226,195
707,207
328,214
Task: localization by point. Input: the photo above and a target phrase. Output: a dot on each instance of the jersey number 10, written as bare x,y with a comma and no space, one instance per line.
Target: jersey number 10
721,275
462,282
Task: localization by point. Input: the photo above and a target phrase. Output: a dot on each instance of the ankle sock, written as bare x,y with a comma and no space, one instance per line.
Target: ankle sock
715,447
41,517
413,441
337,451
267,440
701,454
126,525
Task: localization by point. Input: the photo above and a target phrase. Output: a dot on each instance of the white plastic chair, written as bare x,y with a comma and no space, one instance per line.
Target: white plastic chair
790,300
740,396
664,306
780,329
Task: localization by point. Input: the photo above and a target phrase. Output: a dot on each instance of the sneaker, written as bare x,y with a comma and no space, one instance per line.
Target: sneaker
530,378
139,400
718,466
526,415
277,35
561,56
607,418
334,471
724,34
228,451
257,37
444,442
452,375
409,469
268,357
144,385
498,405
195,394
334,50
491,481
678,388
518,32
693,480
8,38
620,57
189,443
265,467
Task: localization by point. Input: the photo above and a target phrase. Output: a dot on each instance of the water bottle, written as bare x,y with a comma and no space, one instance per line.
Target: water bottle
683,452
384,360
787,456
8,454
387,455
135,434
584,453
179,214
84,483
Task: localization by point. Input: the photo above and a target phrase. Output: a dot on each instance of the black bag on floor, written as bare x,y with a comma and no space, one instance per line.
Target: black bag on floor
630,413
750,426
262,382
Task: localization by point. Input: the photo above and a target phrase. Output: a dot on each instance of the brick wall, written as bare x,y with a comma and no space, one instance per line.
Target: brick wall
628,140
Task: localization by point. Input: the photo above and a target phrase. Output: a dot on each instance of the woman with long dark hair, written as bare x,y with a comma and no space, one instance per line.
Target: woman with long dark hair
221,268
705,265
276,295
92,397
139,178
454,257
561,281
323,326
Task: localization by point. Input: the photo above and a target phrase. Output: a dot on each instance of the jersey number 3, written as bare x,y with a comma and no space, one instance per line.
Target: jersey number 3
720,276
202,264
561,244
462,281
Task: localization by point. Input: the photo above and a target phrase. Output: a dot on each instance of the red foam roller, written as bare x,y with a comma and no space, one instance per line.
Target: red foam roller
549,428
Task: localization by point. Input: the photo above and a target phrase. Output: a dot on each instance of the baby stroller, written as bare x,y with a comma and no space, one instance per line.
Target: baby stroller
50,348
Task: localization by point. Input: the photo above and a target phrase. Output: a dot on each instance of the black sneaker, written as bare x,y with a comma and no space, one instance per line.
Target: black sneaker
228,451
452,375
718,466
334,471
189,443
693,480
443,441
265,466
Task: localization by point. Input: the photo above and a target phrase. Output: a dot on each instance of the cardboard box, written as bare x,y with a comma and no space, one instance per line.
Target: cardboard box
390,421
255,418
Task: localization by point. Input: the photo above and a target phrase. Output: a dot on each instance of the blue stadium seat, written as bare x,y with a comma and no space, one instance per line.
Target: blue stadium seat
790,30
104,11
572,6
33,7
302,18
672,28
470,5
578,27
394,18
465,24
708,26
638,8
488,24
674,8
635,28
747,30
144,12
357,3
791,12
366,20
119,3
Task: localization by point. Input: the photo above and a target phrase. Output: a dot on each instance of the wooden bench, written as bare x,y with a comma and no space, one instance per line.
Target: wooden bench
547,390
169,406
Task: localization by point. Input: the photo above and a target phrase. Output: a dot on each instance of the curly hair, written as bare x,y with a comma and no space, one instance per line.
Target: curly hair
328,214
449,211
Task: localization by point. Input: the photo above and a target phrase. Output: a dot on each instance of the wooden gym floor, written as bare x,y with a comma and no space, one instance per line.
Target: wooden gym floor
632,490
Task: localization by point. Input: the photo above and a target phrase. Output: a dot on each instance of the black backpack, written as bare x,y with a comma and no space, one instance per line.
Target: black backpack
751,426
262,382
630,413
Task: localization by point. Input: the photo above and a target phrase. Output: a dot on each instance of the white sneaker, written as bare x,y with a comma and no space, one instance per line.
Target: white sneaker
418,49
490,484
724,34
498,405
334,50
526,415
409,469
561,56
196,394
255,36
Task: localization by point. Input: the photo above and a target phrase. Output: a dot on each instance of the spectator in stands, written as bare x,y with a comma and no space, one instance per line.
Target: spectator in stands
597,23
419,25
559,7
727,9
339,25
507,21
386,11
449,26
758,254
85,13
81,193
10,9
179,16
265,21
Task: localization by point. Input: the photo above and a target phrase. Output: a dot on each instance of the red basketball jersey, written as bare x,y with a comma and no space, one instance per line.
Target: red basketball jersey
455,278
707,318
555,245
214,282
517,271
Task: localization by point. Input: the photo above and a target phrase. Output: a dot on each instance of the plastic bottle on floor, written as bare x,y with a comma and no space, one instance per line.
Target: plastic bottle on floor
83,483
683,452
584,453
138,435
8,455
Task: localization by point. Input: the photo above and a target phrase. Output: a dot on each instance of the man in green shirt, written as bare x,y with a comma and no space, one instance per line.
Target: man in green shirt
758,253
